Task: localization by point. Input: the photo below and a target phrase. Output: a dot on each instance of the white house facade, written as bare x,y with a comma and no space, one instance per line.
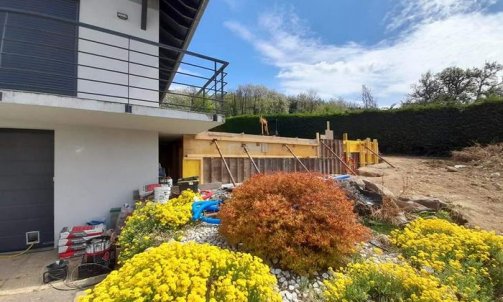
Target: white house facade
85,105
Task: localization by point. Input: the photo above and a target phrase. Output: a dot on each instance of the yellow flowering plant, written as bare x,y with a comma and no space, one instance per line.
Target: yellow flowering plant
153,223
191,272
370,281
468,260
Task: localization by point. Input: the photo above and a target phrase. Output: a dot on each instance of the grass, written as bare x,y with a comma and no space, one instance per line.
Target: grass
380,227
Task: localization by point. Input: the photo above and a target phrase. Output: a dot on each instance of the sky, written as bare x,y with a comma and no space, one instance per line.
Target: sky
335,46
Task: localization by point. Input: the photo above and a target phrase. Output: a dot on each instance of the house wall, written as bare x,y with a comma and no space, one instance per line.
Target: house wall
97,169
103,13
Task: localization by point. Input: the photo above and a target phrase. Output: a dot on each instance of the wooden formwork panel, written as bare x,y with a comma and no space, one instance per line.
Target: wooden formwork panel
242,168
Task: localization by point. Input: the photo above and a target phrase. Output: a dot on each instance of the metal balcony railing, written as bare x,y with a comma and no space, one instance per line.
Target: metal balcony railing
43,53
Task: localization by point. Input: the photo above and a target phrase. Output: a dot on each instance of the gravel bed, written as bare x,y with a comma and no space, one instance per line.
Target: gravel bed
292,287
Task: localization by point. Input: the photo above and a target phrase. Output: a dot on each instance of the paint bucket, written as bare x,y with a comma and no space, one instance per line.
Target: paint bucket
161,194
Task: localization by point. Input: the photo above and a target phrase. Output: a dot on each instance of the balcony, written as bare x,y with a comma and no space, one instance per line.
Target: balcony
46,54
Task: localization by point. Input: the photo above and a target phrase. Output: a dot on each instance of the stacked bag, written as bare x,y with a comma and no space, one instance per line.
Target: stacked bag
72,240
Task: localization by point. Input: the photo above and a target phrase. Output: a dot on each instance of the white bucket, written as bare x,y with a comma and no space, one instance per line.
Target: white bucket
161,194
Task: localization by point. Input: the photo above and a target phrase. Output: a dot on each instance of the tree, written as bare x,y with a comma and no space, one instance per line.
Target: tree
455,85
428,89
368,99
458,85
486,80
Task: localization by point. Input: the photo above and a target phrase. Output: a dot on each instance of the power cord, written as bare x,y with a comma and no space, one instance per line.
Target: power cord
18,254
70,284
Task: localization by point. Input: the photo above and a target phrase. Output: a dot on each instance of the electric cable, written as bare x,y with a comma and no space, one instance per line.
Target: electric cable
18,254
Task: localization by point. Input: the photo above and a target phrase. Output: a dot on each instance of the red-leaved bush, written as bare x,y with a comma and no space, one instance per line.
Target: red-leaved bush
300,219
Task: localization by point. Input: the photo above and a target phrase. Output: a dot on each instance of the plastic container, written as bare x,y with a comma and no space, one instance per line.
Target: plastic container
161,194
114,215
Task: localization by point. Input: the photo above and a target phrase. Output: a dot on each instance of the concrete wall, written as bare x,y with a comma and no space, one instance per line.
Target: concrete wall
103,13
97,169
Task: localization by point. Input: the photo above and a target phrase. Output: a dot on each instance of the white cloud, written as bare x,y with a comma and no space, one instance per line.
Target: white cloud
413,12
461,35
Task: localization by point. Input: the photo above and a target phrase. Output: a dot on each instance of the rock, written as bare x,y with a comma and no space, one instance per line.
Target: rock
496,174
369,172
357,182
294,297
410,206
379,189
429,202
325,275
291,287
288,296
400,219
459,166
451,169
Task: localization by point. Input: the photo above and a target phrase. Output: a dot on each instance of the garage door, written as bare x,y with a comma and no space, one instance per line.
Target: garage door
26,187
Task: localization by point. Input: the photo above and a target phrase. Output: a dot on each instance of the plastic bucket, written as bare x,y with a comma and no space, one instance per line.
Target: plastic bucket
161,194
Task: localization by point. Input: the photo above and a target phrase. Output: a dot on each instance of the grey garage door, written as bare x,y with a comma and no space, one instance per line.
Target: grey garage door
39,54
26,187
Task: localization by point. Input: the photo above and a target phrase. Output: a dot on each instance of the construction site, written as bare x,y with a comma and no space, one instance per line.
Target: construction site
311,169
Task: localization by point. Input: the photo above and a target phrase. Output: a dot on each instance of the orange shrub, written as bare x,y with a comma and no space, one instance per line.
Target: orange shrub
305,222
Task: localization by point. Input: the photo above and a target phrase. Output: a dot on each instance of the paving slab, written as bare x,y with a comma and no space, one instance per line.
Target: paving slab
21,279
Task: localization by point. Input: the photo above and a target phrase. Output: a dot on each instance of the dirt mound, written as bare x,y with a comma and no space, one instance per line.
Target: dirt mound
490,156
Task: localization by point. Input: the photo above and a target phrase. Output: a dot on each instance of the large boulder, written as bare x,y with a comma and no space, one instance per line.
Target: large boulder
430,203
378,188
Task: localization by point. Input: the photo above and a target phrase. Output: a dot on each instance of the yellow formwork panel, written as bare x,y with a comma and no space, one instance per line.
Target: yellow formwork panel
192,167
362,147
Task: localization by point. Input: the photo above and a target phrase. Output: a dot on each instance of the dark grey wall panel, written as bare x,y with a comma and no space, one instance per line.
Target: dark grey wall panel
39,54
26,187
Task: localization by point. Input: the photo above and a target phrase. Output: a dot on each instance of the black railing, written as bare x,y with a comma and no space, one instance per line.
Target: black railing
48,54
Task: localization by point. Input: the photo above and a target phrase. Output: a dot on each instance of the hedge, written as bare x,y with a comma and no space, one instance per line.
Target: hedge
433,130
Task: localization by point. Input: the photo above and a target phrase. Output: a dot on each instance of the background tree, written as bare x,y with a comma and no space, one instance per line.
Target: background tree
455,85
486,80
368,99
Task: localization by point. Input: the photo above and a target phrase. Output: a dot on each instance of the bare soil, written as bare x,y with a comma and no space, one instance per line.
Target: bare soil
475,190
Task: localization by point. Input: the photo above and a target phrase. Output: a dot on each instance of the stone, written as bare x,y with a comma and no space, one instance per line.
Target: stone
410,205
459,166
378,188
400,219
325,275
294,297
291,287
496,174
288,296
369,172
431,203
451,169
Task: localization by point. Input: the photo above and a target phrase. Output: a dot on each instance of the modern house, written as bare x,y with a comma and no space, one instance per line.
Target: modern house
92,94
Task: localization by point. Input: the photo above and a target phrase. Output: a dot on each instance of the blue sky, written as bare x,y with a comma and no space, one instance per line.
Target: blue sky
335,46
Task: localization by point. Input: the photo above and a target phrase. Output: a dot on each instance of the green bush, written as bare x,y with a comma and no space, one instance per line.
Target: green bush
422,130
